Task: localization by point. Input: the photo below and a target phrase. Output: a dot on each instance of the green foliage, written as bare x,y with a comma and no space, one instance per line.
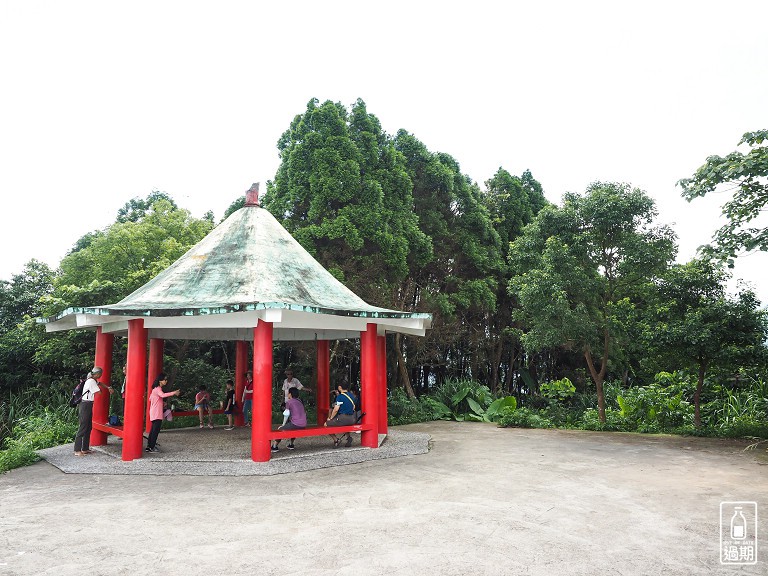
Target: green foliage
523,418
558,390
466,399
745,174
404,410
343,191
144,241
32,420
576,270
654,408
740,412
614,421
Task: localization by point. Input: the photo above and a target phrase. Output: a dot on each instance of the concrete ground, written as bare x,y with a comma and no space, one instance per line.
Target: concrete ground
483,500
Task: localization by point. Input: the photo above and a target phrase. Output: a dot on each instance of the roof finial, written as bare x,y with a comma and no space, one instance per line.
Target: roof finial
252,195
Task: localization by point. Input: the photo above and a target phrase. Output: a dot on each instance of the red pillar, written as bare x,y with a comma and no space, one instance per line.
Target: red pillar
133,441
156,349
241,367
381,361
369,386
262,391
104,346
323,388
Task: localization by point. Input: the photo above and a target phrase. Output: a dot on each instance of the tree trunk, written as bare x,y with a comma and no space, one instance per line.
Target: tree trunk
402,368
697,395
599,377
496,360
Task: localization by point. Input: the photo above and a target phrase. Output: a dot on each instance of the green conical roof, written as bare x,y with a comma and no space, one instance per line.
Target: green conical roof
248,267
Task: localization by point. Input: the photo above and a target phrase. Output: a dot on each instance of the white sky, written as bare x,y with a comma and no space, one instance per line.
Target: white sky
101,102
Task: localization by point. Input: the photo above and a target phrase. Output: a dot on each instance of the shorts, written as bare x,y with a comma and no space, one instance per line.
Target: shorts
204,406
342,420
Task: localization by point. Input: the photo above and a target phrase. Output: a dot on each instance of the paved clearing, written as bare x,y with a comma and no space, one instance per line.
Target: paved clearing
484,500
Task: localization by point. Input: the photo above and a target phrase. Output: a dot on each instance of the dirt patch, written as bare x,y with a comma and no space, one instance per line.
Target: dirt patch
484,500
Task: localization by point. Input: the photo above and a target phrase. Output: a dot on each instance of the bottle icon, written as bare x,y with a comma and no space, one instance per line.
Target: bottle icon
738,524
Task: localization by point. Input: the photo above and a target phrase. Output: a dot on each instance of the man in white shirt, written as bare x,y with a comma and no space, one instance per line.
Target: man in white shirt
85,411
291,382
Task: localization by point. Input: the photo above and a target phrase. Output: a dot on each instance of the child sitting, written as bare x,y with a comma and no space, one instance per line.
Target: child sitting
203,403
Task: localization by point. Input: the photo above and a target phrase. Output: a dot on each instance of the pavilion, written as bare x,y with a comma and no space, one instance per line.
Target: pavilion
247,281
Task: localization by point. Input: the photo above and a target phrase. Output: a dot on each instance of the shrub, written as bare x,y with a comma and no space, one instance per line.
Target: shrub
613,420
523,418
558,390
404,410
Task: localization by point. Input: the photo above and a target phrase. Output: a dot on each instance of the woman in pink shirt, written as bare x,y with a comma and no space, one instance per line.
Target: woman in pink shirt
156,408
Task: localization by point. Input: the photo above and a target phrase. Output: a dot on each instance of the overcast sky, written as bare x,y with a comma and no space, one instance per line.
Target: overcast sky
101,102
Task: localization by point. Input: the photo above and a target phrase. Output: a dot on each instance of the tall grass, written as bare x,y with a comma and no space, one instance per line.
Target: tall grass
34,419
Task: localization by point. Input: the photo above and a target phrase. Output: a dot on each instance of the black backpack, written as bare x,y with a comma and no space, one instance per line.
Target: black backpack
77,394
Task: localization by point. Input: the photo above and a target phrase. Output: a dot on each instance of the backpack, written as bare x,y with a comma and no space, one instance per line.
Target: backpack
77,394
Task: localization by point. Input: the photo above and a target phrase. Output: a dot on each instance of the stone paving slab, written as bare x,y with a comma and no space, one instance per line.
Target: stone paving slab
220,452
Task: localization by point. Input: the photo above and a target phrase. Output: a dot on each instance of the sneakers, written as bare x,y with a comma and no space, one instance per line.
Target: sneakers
148,449
275,449
229,428
209,426
291,447
201,426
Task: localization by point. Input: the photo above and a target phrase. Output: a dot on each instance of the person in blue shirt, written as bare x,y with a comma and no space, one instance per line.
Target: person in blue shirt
343,413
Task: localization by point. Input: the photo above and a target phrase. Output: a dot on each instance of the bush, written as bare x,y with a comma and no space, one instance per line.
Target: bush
558,390
614,421
523,418
404,410
17,457
655,408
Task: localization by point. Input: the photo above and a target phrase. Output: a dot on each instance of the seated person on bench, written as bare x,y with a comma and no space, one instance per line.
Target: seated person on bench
343,413
296,419
203,403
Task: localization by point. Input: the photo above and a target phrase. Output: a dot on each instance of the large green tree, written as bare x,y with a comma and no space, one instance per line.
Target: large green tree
696,324
458,285
107,265
575,268
746,175
512,202
21,299
343,192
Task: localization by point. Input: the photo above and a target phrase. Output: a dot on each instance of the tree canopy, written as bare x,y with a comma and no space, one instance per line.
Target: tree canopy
576,266
746,175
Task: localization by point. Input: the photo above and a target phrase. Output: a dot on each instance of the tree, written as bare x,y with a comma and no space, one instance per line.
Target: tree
747,175
695,323
21,299
512,203
574,269
458,284
343,192
110,264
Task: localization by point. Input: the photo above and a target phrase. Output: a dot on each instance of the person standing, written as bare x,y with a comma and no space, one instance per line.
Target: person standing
229,405
291,382
247,398
85,411
156,409
297,417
